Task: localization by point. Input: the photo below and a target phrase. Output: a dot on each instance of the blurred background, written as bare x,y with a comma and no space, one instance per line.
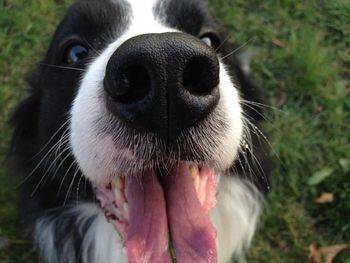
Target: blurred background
301,57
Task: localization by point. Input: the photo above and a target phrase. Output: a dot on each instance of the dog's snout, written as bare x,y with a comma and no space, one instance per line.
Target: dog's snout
162,83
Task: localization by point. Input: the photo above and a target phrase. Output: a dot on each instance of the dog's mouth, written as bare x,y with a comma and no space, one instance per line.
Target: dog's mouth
160,208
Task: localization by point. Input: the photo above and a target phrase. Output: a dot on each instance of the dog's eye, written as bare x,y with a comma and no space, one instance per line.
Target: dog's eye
74,53
211,39
207,41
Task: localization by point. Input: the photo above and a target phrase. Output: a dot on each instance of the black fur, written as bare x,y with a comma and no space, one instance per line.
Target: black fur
39,121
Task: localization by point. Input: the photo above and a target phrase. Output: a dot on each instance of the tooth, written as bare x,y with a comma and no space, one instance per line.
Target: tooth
117,193
126,207
118,183
196,182
126,211
194,170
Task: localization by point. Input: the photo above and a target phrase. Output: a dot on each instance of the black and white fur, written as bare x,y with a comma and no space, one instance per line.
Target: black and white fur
62,138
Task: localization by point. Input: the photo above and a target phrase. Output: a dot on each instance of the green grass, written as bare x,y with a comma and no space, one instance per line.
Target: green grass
302,59
25,29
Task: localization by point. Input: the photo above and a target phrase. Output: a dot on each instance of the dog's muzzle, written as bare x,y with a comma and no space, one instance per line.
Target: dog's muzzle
162,83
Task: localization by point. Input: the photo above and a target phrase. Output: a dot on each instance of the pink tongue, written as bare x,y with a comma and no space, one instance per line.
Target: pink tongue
153,211
192,233
147,239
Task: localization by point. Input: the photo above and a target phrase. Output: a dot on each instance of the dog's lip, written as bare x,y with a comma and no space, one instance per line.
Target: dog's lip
177,208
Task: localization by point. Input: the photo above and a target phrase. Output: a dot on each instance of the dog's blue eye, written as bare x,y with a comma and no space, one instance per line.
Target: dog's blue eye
211,39
75,53
208,41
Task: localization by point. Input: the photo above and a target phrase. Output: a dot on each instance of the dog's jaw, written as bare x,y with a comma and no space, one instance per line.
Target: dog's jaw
235,218
98,140
175,204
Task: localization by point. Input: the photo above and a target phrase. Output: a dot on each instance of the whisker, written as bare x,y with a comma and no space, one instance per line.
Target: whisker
91,46
47,155
64,177
237,49
71,186
78,187
261,105
247,147
256,111
51,138
62,67
260,134
256,130
66,150
53,165
223,42
46,174
63,141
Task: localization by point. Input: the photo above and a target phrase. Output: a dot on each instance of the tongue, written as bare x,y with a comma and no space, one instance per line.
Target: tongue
192,233
147,238
177,208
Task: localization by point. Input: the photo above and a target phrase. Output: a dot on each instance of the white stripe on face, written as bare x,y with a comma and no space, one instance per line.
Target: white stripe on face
101,154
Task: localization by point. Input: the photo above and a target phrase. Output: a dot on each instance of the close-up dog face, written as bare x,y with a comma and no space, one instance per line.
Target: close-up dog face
179,102
140,102
143,131
153,94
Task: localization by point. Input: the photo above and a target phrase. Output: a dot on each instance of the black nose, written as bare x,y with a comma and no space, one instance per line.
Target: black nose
162,83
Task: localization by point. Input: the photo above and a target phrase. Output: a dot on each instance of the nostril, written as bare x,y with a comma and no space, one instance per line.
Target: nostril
200,76
130,84
153,80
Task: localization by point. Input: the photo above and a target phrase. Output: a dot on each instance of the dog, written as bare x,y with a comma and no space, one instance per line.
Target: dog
140,140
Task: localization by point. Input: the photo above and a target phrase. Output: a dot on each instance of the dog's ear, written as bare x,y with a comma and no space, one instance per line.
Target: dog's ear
24,120
238,61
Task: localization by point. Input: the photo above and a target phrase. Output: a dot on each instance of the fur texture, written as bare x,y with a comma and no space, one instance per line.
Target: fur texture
65,138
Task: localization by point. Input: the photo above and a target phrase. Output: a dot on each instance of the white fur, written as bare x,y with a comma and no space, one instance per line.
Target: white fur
97,154
105,243
235,216
100,243
230,107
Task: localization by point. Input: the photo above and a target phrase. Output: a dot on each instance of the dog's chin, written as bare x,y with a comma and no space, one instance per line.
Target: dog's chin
149,207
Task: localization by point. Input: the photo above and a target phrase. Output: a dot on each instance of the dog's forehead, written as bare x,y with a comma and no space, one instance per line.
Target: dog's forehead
116,15
186,15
